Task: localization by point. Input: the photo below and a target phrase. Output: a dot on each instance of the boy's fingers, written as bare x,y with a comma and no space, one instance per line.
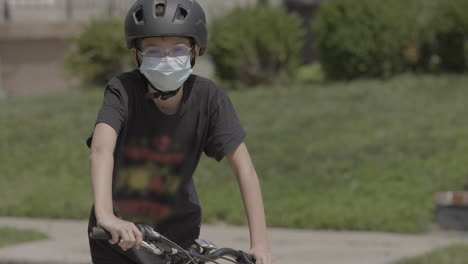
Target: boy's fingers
124,241
115,237
138,236
131,239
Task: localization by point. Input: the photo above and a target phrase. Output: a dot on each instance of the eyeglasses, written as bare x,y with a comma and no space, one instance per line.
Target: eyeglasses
176,51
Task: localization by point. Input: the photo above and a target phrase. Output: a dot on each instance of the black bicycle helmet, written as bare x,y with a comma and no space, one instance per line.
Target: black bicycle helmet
158,18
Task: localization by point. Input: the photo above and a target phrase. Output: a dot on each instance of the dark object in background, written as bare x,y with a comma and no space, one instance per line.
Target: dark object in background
306,10
448,42
444,37
452,217
452,210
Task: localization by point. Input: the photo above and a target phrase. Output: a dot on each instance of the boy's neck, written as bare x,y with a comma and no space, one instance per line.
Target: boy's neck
171,105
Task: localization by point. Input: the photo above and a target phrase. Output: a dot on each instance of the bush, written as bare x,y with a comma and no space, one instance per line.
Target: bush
310,73
256,44
449,26
366,38
98,53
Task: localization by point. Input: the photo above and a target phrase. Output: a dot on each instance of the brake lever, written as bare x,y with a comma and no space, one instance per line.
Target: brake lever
167,249
152,248
149,233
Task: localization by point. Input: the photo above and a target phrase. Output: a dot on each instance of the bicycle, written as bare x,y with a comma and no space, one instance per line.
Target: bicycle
203,251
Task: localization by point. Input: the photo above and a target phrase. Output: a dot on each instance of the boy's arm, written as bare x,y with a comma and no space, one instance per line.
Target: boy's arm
249,185
101,164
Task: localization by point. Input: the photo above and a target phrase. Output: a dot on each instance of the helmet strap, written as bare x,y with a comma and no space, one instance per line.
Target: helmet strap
159,94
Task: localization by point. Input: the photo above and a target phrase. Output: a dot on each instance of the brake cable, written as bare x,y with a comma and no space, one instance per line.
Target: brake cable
211,260
180,248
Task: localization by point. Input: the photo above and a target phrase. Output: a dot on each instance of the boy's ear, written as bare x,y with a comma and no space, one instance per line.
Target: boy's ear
197,51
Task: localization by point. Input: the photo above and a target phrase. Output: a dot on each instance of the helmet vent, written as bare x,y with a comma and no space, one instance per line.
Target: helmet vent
139,16
181,14
160,10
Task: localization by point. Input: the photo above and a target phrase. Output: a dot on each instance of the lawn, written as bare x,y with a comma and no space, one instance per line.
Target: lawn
456,254
9,236
362,155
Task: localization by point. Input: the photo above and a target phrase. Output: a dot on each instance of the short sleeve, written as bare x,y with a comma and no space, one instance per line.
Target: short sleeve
114,107
225,132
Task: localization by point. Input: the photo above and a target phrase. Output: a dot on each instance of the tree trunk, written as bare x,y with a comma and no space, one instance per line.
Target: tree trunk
6,11
306,10
68,9
111,7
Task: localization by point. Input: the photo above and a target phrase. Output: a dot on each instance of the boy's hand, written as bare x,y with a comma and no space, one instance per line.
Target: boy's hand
262,255
125,233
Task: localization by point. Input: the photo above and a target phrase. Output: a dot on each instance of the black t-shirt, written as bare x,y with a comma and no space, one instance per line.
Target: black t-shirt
156,154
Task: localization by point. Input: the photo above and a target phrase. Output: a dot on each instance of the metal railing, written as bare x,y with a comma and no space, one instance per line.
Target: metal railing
59,10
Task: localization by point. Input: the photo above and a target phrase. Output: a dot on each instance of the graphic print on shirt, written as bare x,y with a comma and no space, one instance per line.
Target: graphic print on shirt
149,178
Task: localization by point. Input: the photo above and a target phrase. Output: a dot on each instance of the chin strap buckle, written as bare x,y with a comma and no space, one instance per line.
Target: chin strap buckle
163,95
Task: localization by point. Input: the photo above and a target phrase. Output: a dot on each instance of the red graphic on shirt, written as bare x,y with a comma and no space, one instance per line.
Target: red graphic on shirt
159,152
162,144
153,209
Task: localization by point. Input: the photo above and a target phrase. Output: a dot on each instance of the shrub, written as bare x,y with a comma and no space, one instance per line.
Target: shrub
366,38
256,44
449,26
98,53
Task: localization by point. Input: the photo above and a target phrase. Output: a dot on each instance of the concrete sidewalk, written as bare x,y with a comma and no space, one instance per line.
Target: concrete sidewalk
69,245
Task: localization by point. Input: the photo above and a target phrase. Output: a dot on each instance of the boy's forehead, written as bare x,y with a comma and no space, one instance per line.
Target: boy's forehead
150,41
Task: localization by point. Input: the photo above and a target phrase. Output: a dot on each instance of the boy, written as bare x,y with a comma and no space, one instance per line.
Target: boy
151,130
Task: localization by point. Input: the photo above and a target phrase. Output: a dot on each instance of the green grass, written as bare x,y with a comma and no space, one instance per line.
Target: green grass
44,160
363,155
456,254
2,95
9,236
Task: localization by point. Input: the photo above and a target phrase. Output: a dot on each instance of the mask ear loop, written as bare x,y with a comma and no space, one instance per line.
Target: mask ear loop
157,94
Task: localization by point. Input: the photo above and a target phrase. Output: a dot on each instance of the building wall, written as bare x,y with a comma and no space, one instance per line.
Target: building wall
32,67
31,57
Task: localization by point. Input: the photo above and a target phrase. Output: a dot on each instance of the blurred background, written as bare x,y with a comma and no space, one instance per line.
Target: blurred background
355,110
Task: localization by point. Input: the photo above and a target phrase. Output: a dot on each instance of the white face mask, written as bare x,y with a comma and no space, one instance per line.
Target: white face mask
166,74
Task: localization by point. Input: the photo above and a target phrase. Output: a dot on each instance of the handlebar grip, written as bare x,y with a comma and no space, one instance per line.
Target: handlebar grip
248,257
100,233
147,232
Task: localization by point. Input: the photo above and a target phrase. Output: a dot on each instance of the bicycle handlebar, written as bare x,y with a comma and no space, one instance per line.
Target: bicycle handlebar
160,245
100,233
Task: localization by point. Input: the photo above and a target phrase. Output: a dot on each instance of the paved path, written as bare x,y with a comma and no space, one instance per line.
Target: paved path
68,244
